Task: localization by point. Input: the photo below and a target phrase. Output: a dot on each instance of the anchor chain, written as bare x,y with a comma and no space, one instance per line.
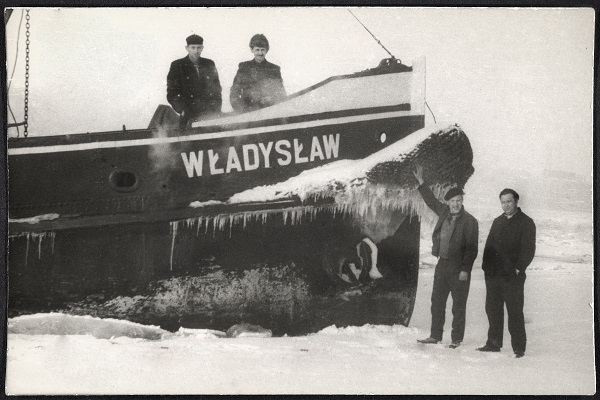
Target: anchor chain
26,110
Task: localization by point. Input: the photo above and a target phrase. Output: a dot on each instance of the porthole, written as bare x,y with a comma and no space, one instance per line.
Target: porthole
124,181
382,137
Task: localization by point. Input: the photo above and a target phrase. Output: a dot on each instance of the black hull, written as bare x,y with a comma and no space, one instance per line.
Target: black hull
154,177
279,275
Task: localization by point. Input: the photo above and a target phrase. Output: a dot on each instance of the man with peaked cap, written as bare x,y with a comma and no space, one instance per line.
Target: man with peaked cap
258,83
455,243
193,87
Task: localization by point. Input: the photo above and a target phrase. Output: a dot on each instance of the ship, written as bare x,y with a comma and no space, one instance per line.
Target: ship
297,216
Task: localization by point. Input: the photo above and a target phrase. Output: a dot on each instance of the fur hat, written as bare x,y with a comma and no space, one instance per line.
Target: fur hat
194,39
455,191
259,40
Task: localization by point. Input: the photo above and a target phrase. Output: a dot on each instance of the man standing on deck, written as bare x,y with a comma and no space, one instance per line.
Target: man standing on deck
509,250
193,87
258,83
455,243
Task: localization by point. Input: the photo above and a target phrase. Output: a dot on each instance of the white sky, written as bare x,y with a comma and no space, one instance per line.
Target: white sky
519,81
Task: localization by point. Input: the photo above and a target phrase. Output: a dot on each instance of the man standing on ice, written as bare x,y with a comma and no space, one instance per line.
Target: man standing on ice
193,86
509,249
455,243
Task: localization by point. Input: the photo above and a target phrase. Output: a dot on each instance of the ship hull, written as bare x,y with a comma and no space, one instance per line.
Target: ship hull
281,274
171,172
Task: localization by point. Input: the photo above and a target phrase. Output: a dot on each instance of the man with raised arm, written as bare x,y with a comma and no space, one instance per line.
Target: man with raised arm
455,243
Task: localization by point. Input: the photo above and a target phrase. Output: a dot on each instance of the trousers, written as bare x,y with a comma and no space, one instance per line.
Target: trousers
509,291
446,282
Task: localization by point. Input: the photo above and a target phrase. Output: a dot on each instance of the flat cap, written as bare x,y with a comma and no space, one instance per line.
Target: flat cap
455,191
194,39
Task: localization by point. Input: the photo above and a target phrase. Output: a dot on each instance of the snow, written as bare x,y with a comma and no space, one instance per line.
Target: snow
60,354
198,204
34,220
61,324
363,92
311,182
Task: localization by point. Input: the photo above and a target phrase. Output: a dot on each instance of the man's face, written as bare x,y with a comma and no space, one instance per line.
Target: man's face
259,53
194,50
455,204
509,204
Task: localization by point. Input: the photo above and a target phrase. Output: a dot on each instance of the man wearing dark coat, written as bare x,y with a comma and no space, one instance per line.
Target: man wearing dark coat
193,87
509,249
455,243
258,83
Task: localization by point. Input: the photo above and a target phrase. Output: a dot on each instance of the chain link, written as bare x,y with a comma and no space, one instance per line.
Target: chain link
26,114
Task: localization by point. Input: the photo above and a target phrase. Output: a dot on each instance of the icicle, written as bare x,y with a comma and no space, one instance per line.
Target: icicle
27,249
361,200
40,237
173,234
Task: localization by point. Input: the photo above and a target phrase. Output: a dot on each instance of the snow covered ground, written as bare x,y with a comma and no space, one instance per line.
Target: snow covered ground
58,354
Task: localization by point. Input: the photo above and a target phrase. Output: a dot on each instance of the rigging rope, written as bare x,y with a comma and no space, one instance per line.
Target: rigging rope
26,114
434,121
374,37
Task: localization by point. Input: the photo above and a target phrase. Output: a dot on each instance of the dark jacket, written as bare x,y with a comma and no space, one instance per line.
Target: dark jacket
256,85
464,239
510,245
193,92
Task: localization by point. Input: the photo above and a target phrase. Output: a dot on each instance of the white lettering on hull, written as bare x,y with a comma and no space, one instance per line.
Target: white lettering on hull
193,163
255,156
213,158
233,161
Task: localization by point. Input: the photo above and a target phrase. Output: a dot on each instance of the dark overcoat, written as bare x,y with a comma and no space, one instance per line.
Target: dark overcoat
464,239
510,245
256,85
196,92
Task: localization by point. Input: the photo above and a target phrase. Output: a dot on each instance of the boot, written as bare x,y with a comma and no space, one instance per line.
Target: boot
489,348
429,340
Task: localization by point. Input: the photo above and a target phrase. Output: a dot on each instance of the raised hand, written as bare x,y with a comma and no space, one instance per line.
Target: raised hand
418,173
